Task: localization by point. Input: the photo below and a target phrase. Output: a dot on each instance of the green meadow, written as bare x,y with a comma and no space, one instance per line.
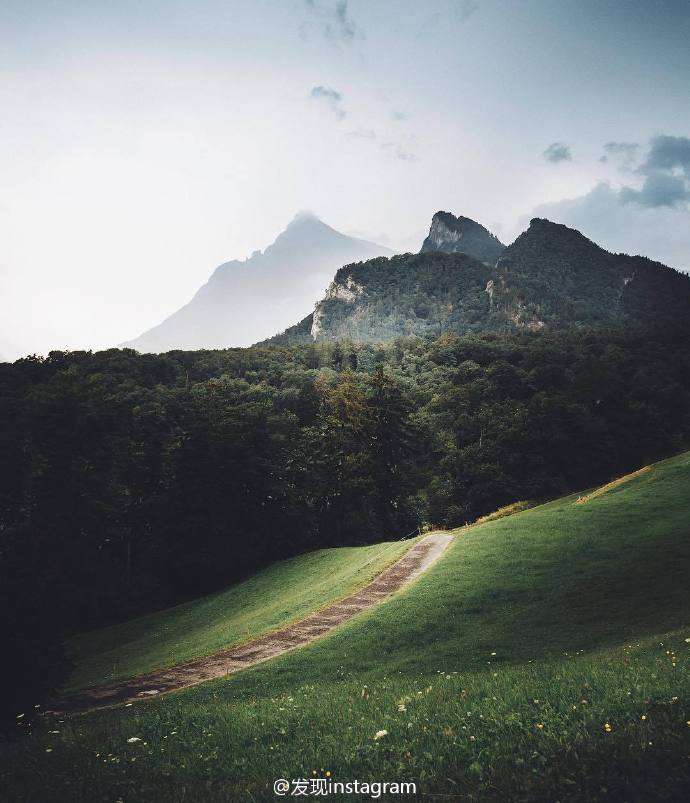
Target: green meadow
545,657
273,598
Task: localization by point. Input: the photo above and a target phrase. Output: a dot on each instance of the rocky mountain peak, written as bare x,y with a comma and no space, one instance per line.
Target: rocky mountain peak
462,235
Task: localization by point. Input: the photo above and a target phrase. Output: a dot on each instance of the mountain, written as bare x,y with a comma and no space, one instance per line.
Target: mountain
244,302
551,277
462,235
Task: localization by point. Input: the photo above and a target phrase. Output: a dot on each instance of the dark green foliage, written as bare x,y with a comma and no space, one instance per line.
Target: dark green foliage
299,333
130,482
551,277
411,294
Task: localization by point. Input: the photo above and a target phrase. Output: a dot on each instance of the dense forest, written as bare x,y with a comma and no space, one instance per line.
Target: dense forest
130,482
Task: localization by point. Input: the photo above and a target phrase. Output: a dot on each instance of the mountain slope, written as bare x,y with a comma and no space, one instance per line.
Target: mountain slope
276,596
462,235
545,657
554,276
244,302
551,277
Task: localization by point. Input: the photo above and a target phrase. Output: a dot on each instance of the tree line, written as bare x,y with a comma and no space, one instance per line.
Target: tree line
130,482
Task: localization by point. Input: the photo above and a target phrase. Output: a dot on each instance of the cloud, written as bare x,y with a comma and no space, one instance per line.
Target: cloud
651,218
622,152
557,152
659,232
391,147
666,171
332,20
667,153
397,150
332,98
660,188
362,133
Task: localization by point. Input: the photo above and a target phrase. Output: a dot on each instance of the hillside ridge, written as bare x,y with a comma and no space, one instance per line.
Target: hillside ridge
551,277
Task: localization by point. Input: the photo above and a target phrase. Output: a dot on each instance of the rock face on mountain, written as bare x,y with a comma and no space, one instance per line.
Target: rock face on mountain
551,277
460,235
245,302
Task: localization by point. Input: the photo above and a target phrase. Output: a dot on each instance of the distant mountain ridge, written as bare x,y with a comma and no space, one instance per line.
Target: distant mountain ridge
551,277
246,301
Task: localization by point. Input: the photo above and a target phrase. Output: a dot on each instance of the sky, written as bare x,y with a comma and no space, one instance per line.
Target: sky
142,143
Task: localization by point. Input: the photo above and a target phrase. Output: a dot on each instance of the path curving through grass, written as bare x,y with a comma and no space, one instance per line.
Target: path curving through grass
425,552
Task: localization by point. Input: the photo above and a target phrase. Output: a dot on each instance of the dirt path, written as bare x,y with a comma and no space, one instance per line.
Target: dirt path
412,564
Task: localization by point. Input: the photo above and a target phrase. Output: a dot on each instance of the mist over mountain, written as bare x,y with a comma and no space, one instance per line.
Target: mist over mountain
246,301
551,277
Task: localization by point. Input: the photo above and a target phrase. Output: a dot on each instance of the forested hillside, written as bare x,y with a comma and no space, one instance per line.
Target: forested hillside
132,481
551,277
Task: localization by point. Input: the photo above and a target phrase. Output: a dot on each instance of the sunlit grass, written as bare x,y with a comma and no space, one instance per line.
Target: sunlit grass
581,500
579,727
545,657
507,510
270,599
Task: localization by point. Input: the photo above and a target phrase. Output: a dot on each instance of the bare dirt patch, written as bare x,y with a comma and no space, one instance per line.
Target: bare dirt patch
142,687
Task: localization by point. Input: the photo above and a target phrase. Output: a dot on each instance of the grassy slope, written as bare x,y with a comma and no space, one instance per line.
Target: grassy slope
576,600
270,599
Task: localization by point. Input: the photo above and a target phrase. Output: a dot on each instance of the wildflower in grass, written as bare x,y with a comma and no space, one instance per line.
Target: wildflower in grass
643,717
380,735
607,727
133,739
49,749
540,725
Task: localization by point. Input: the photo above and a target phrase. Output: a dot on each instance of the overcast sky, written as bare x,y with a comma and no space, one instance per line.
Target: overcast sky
143,143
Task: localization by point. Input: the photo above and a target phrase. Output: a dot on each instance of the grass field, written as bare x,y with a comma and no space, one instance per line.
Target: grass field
546,657
270,599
